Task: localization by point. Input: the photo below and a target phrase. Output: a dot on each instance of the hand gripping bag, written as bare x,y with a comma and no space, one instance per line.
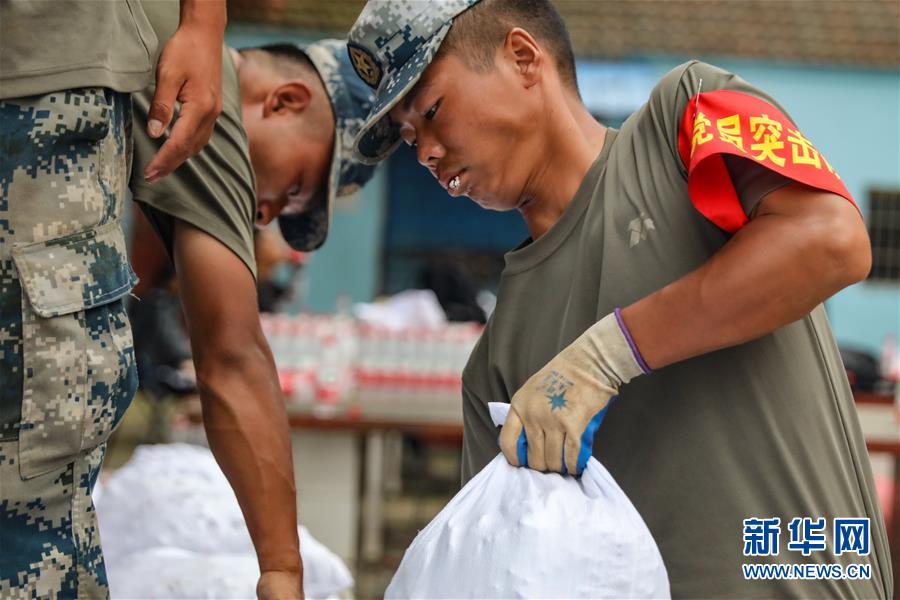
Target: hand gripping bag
517,533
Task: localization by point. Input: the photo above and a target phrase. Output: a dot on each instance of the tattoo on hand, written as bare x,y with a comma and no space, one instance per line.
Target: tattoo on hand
554,386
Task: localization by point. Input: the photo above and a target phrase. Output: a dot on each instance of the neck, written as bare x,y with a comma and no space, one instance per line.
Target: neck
572,142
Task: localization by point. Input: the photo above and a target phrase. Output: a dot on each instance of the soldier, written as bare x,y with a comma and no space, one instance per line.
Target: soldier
67,370
282,146
678,263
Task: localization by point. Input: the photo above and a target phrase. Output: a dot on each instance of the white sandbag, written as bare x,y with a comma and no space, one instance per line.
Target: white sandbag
517,533
169,495
177,573
324,574
171,506
166,572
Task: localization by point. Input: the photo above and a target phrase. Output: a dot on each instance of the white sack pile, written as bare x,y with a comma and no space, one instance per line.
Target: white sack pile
171,527
517,533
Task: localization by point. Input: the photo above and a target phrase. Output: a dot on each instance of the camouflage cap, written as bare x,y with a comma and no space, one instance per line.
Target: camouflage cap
351,101
391,44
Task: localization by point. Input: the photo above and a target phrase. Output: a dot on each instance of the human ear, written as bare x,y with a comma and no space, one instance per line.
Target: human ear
526,53
288,97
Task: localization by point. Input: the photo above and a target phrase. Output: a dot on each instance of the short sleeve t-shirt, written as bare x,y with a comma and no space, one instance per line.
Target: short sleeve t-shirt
50,46
765,429
215,190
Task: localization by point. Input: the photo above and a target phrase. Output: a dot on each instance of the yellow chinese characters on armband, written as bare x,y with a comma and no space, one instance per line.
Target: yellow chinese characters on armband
729,122
701,133
729,130
767,135
802,151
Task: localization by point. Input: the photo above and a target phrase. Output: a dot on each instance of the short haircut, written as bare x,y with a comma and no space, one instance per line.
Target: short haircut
477,32
288,59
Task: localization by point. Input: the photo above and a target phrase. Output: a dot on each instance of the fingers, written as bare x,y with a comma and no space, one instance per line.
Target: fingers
553,450
189,72
509,438
573,449
190,133
162,107
536,458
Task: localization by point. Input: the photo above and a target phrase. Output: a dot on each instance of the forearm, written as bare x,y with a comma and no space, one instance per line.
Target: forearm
243,410
246,424
771,273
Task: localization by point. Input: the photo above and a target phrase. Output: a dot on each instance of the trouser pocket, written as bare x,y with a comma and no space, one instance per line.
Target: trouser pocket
78,356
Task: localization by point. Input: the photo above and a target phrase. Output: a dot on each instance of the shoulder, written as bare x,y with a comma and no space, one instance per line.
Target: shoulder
684,82
680,84
671,80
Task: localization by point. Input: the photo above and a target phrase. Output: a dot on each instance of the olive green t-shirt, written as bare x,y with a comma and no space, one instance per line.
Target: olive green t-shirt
51,45
214,190
765,429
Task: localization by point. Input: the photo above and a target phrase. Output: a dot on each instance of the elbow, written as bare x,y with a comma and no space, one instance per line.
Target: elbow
830,243
847,249
225,357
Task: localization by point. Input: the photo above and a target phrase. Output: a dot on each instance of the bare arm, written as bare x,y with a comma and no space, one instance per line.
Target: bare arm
243,409
801,247
190,72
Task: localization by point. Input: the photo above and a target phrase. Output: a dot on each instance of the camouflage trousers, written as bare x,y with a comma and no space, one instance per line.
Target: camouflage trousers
67,370
48,531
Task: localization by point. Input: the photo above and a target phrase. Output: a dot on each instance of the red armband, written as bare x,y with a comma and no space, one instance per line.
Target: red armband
727,122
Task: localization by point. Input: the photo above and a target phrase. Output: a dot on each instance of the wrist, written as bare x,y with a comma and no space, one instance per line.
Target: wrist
285,563
281,554
611,350
206,16
635,351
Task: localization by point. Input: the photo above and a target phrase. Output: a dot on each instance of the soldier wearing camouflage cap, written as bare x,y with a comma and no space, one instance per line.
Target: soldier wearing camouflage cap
282,149
677,264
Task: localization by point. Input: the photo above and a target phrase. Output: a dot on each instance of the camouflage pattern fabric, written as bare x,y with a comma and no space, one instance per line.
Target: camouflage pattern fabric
67,371
351,101
48,530
390,45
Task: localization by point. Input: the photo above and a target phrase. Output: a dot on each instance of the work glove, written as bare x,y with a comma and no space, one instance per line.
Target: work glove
553,417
